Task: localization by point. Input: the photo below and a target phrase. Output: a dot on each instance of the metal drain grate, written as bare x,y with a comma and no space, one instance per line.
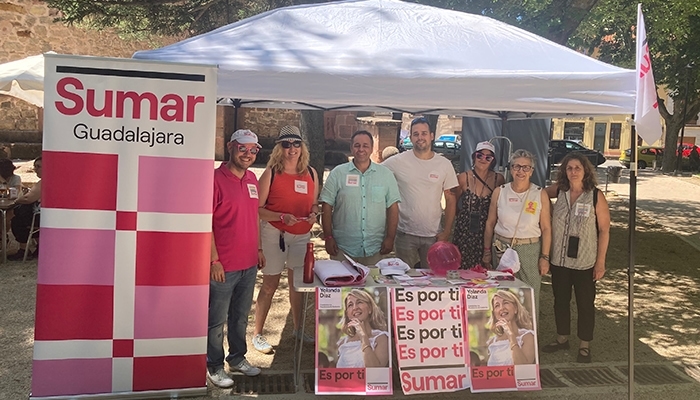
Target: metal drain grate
264,384
593,376
549,380
692,371
653,375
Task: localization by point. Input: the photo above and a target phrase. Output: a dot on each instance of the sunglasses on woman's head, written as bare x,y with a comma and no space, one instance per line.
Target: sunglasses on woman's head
482,156
288,145
251,150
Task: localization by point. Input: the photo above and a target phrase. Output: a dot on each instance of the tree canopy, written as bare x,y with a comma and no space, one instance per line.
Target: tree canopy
673,34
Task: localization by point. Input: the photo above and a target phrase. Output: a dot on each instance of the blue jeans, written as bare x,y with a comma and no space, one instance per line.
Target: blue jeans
230,300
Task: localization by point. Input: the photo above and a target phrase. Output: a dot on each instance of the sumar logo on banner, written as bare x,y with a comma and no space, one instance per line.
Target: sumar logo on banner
123,282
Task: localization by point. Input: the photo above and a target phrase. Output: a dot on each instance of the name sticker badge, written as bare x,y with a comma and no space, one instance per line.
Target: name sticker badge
352,180
433,176
531,207
582,210
252,191
301,187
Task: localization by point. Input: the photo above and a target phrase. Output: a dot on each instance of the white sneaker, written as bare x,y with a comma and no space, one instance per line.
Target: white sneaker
307,338
245,368
261,345
220,378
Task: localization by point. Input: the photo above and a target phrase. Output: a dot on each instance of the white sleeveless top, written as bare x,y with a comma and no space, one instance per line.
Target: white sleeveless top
350,354
499,350
510,204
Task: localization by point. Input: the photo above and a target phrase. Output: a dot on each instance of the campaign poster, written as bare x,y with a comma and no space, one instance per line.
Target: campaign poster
123,276
353,341
431,340
502,339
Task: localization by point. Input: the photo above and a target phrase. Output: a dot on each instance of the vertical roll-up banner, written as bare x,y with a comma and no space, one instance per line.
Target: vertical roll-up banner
122,286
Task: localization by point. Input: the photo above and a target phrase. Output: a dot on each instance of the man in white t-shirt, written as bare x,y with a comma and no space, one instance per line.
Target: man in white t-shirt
423,177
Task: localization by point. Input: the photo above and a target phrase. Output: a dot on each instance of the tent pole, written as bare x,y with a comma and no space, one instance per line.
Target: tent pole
630,272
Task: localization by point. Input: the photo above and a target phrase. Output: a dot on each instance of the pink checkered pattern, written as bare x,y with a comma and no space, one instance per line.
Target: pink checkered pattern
123,280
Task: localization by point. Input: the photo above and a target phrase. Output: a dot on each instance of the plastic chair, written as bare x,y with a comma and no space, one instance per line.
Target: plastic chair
32,230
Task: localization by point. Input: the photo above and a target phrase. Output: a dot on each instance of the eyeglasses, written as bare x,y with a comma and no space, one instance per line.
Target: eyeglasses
518,167
251,150
287,144
482,156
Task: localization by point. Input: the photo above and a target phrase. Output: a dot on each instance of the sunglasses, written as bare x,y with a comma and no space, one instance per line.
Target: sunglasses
251,150
524,168
482,156
288,145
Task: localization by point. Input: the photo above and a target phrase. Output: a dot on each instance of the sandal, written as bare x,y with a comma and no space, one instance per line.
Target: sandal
584,355
556,346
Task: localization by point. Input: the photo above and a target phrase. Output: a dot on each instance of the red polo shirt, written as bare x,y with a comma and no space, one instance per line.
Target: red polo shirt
235,219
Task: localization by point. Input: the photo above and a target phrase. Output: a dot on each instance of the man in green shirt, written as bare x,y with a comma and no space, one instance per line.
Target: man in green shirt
360,206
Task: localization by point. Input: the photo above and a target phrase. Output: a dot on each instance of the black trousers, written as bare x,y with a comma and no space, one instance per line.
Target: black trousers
22,222
563,279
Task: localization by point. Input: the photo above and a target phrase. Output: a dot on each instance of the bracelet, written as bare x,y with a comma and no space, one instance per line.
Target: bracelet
487,248
513,345
259,250
544,256
282,217
328,237
214,262
365,347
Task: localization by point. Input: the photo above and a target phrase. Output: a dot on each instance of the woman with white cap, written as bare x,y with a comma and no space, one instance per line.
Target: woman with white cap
475,189
288,210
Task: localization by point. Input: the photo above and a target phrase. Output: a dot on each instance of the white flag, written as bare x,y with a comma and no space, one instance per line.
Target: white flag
646,110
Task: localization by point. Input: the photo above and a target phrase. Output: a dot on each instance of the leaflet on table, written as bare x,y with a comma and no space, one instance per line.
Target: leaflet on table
353,342
341,273
431,339
501,361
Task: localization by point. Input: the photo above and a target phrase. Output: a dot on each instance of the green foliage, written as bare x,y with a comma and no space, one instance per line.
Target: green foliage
162,17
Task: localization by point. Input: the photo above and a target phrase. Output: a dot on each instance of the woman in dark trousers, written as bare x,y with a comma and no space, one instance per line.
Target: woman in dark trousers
580,236
22,221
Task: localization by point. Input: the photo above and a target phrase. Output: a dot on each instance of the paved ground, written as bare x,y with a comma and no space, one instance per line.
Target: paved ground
672,201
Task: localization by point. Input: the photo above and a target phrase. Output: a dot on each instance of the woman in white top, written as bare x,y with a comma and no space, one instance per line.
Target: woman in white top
519,217
366,341
511,323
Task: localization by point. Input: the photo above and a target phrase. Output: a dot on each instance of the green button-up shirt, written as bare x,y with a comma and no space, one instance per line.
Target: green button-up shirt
359,202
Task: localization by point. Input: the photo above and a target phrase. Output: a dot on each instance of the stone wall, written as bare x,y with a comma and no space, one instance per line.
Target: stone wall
27,28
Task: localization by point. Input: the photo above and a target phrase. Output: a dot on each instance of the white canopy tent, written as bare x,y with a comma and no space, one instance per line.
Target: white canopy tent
24,79
387,54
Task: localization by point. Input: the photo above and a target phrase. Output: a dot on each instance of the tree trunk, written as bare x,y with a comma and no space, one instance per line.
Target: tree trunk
673,127
674,123
311,126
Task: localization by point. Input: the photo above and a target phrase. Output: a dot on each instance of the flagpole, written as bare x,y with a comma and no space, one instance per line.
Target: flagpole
630,268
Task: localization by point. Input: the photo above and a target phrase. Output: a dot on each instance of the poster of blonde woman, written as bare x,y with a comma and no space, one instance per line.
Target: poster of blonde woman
502,339
353,346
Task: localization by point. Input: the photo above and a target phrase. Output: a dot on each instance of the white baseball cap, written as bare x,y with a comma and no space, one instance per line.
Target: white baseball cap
245,136
485,146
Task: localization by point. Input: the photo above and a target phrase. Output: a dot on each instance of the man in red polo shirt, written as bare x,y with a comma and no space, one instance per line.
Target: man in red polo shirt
235,258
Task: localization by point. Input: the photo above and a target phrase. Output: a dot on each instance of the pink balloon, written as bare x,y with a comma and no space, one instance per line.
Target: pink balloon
443,257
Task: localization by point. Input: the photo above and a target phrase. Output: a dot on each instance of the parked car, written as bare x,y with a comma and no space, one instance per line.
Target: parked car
645,156
558,149
450,138
447,147
406,144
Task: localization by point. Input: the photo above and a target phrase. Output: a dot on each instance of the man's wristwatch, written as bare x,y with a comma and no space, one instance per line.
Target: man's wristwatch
544,256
